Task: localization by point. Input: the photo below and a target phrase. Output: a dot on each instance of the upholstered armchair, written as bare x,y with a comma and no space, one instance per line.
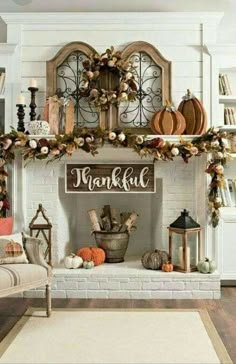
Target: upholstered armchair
15,278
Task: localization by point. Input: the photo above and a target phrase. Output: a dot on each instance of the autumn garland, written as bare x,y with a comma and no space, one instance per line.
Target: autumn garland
213,141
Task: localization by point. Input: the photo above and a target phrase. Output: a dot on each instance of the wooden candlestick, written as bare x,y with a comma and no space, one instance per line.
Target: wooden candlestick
32,105
21,116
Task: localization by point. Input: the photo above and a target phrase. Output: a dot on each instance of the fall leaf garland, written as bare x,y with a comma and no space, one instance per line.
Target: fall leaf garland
214,141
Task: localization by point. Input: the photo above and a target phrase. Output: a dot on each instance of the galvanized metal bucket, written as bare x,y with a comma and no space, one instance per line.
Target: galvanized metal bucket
113,243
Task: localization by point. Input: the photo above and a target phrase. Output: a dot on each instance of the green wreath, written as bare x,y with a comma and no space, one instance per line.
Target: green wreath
109,61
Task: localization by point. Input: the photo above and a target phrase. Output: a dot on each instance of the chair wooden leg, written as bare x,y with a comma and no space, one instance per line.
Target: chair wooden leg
48,298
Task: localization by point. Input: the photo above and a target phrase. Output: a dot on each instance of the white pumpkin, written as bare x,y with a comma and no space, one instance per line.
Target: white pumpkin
72,261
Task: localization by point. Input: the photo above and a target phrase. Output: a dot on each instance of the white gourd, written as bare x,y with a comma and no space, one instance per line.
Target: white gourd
72,261
206,266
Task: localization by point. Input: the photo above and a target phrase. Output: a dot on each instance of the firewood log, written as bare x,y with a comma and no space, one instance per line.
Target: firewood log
94,220
129,222
106,223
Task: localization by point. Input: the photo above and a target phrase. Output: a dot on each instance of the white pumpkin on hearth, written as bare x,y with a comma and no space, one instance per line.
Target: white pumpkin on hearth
72,261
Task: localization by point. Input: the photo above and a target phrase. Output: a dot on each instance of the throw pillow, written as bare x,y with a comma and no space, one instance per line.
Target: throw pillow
34,249
6,225
11,249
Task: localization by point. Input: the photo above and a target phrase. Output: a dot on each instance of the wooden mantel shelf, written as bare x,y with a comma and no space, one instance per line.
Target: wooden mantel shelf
169,138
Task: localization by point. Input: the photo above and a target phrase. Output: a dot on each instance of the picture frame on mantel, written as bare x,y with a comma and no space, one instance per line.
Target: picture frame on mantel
157,71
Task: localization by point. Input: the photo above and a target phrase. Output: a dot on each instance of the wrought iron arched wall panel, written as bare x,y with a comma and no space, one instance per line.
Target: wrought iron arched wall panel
153,75
64,77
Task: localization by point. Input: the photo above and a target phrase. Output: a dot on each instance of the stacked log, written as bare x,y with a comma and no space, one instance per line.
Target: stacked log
111,221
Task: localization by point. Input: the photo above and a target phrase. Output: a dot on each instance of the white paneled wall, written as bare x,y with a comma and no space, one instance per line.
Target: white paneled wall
178,36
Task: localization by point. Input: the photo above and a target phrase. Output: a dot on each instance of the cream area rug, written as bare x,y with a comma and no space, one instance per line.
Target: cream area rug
114,336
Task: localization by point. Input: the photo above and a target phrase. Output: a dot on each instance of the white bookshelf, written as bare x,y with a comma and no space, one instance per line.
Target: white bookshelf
227,99
7,54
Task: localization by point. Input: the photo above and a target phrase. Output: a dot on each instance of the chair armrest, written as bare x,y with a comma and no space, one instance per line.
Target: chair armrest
33,248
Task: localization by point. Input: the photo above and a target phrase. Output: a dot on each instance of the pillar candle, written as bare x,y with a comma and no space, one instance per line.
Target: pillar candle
20,100
33,83
181,262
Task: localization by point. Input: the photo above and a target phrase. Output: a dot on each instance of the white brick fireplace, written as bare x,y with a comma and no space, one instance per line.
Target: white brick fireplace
178,184
175,189
181,38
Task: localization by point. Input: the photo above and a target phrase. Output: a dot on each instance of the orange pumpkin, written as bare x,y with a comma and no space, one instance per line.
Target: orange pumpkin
168,121
13,249
194,113
97,255
167,267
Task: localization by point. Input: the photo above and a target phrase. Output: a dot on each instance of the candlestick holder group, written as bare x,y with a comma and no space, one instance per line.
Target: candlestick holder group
33,105
21,116
21,105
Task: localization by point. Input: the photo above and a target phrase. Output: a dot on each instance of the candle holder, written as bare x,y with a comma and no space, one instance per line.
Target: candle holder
32,105
21,116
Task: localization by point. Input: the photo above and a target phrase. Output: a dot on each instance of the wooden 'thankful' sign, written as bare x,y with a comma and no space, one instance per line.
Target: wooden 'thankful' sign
110,178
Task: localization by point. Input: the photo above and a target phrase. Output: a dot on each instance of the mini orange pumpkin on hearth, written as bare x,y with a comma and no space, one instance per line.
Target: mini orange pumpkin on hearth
97,255
167,267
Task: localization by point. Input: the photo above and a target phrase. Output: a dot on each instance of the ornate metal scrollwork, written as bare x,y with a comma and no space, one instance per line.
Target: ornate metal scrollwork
69,81
149,95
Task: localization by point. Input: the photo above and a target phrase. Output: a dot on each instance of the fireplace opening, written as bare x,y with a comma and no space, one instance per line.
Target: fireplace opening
74,231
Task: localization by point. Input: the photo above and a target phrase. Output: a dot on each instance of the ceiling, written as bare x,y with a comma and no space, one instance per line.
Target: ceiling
112,5
226,30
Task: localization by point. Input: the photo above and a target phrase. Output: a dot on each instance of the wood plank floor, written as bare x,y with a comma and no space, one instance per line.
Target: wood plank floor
222,312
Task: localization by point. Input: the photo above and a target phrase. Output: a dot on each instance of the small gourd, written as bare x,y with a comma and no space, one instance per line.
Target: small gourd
73,261
88,264
167,267
154,259
206,266
168,121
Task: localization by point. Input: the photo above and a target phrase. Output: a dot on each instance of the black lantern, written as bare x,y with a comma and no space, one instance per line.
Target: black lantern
185,240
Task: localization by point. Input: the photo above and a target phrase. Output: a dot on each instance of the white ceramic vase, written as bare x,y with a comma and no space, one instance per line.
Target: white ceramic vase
39,127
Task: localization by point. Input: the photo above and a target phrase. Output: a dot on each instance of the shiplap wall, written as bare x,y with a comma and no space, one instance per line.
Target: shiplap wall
180,43
180,37
177,44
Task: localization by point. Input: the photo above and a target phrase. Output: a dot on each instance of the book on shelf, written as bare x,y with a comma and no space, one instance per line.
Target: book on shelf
2,83
229,116
228,192
224,85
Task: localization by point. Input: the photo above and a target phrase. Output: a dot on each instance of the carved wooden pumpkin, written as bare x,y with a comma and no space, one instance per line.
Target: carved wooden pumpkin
194,113
167,267
154,259
168,121
206,266
97,255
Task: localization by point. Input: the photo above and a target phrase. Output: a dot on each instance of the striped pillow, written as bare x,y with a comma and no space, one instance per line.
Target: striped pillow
11,249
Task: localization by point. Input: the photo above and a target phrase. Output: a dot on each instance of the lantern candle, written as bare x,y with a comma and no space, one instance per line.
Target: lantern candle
20,100
181,261
33,83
